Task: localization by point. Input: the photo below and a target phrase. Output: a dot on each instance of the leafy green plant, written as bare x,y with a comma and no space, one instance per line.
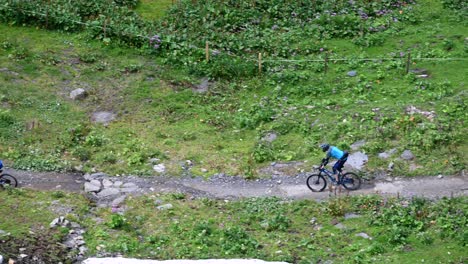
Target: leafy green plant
117,221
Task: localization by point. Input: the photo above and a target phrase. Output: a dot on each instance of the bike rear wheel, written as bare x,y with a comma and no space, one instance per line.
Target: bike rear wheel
316,182
8,180
351,181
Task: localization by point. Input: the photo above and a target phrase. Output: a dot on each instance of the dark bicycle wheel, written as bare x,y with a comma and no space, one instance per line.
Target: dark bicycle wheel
8,180
351,181
316,183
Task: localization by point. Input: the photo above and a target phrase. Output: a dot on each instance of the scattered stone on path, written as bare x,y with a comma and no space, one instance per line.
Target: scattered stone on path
78,94
108,192
89,187
440,176
118,201
358,144
107,183
407,155
103,117
364,235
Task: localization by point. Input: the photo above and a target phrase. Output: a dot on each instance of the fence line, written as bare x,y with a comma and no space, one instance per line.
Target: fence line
260,59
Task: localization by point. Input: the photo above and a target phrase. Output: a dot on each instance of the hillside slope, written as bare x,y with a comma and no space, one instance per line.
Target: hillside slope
328,76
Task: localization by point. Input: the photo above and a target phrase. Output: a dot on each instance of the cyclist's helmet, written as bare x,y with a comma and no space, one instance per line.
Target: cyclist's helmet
324,147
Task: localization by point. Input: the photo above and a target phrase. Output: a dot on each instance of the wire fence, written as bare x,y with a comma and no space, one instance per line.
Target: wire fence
260,59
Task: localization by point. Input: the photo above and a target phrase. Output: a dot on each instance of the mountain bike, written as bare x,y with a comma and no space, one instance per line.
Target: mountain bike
6,179
317,183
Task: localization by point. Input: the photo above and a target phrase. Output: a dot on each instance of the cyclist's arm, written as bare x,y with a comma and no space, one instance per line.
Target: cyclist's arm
325,161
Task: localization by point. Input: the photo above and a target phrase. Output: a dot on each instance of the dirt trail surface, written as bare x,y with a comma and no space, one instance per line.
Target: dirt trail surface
227,187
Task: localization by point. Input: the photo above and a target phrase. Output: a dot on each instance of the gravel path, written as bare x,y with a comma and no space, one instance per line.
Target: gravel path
225,187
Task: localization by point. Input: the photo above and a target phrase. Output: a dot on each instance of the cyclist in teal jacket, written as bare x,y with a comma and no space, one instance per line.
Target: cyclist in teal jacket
334,152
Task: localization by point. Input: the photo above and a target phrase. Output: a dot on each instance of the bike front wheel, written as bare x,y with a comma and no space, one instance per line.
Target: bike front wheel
8,180
351,181
316,183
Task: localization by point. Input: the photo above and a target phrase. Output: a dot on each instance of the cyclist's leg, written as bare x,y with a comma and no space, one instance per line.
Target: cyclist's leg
336,168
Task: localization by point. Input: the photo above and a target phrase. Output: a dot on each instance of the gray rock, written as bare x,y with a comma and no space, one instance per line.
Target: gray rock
1,259
89,187
357,160
318,227
95,176
2,233
270,137
390,167
340,226
203,86
407,155
129,189
103,117
107,183
440,176
108,192
313,221
129,185
364,235
387,154
118,184
154,161
419,71
351,215
352,73
384,155
78,94
164,207
358,144
118,200
159,168
54,222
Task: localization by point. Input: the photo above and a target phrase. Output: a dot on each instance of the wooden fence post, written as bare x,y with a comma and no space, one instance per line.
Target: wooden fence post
408,62
47,15
260,63
104,27
207,51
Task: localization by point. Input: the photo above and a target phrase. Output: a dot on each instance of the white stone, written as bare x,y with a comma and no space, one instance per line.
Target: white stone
364,235
164,207
159,168
78,94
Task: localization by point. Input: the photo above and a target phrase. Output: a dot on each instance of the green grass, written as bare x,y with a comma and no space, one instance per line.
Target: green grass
159,116
153,9
265,228
303,231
